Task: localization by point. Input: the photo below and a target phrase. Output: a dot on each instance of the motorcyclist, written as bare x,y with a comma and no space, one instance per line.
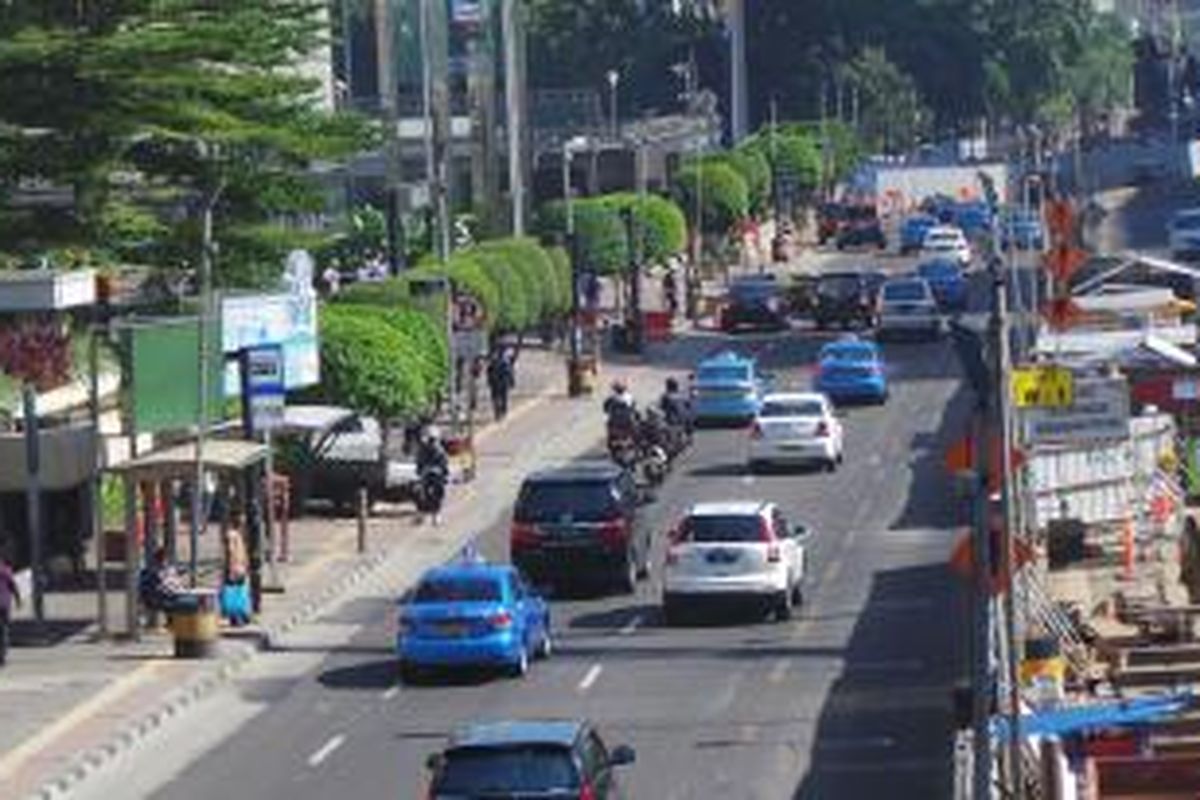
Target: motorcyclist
674,404
433,472
623,421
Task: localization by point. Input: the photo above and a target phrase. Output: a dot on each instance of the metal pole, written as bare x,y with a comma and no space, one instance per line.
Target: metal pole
206,248
514,80
739,123
95,492
386,72
573,251
774,161
982,621
33,499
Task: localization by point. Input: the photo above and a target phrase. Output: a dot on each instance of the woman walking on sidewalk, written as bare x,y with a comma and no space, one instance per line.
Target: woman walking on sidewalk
9,593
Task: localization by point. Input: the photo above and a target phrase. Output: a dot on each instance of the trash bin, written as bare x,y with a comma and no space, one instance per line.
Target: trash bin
194,631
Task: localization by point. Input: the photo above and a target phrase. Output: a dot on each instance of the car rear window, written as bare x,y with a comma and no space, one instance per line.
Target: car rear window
553,500
1186,222
938,270
791,408
904,291
721,528
752,292
480,771
457,590
719,374
839,286
848,353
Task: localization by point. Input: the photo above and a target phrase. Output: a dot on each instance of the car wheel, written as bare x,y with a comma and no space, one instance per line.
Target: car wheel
410,673
831,465
520,667
797,595
672,611
783,606
754,467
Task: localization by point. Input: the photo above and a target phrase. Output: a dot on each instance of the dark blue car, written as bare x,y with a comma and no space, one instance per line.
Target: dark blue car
472,614
974,218
946,280
851,370
912,232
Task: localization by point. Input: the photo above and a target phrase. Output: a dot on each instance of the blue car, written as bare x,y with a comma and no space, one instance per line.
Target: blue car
973,218
472,614
726,388
912,232
852,370
946,280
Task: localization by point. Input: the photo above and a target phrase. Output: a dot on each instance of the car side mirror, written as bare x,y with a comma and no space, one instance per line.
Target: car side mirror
621,756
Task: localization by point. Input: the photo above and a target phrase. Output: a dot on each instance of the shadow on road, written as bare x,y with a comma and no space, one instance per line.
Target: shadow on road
885,728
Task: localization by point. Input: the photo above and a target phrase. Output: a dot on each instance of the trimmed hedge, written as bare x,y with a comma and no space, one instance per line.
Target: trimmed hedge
367,364
660,221
600,235
721,191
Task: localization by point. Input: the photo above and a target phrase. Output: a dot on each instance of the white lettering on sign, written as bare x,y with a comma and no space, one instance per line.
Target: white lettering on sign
1100,411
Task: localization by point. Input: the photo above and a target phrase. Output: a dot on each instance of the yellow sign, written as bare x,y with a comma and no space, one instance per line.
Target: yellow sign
1047,387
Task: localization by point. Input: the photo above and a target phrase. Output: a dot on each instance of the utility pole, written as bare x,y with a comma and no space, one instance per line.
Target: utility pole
386,77
514,85
740,117
774,157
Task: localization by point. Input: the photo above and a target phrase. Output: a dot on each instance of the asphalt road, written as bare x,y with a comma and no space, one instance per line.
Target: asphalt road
851,699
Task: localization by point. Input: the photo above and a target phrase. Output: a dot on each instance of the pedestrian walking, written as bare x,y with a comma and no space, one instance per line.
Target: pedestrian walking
500,378
9,594
235,585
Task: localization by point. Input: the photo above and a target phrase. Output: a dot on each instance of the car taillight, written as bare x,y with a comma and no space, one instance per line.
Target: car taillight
500,620
586,792
614,533
522,535
822,428
756,431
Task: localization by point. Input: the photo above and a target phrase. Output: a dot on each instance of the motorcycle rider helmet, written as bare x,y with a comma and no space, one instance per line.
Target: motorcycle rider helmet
672,385
619,387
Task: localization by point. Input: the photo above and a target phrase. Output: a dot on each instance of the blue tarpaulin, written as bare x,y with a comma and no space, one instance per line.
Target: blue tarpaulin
1095,716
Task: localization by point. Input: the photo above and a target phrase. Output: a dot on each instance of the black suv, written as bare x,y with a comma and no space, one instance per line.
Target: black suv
563,760
581,520
755,303
843,298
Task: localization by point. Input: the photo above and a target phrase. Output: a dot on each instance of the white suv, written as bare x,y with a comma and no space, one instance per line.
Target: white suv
734,550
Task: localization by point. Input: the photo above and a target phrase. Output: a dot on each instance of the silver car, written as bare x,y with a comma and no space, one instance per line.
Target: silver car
907,307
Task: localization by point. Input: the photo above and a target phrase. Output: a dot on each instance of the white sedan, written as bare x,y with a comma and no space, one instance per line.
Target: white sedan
796,428
948,241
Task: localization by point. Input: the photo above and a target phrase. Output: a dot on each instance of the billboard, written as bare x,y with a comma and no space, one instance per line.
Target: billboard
288,320
162,358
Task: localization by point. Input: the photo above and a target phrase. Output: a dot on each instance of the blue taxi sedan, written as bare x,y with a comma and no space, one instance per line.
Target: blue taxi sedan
851,370
726,388
472,614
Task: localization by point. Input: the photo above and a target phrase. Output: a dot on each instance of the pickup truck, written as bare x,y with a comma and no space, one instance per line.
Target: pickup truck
328,452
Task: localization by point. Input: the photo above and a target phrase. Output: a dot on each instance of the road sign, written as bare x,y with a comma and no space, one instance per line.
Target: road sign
1047,386
1100,411
265,392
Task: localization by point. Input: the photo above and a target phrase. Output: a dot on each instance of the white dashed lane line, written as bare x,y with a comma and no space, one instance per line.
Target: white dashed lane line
326,750
590,677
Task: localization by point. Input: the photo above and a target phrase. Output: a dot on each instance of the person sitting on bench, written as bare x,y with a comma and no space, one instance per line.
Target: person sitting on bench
162,588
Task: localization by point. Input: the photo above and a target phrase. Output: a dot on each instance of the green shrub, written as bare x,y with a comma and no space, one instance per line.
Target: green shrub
424,339
566,278
600,235
367,364
755,169
659,220
719,188
513,312
532,284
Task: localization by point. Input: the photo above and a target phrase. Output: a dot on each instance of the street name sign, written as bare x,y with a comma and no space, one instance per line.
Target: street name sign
1099,412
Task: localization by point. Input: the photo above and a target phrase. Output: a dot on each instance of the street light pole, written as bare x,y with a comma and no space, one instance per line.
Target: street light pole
574,385
614,80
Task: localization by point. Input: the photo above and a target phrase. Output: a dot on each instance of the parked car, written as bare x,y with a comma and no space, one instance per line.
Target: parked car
1183,233
329,452
734,551
973,218
795,428
472,614
947,241
852,370
843,298
907,307
581,522
1022,231
534,759
755,303
946,279
830,218
913,230
726,388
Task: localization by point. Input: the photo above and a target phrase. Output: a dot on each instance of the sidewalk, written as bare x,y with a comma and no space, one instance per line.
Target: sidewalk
80,702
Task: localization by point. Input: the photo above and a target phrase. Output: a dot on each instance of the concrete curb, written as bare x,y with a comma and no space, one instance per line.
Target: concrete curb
223,670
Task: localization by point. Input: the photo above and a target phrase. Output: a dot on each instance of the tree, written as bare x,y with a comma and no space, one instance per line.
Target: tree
719,192
658,221
600,237
892,116
157,106
754,167
794,157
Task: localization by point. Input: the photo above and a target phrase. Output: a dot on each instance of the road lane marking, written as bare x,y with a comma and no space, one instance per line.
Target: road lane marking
833,570
392,692
780,670
326,750
631,626
747,480
590,677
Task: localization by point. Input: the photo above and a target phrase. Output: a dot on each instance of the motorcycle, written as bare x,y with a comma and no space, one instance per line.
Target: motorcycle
431,490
